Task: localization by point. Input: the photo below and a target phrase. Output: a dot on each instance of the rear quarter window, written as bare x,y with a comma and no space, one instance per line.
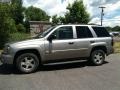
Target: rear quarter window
101,32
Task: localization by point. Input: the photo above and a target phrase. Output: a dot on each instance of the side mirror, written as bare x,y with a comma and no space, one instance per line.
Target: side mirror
51,37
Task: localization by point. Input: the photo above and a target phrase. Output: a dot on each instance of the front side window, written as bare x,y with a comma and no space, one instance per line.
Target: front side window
64,33
83,32
43,34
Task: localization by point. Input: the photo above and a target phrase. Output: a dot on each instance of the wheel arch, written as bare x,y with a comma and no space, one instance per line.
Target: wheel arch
34,51
104,48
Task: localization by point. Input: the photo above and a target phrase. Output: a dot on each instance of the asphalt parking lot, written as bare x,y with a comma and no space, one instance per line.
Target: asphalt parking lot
68,76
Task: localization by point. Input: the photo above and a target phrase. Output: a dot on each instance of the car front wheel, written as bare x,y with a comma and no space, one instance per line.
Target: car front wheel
27,63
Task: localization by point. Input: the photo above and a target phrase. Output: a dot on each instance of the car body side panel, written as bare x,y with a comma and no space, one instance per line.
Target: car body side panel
60,49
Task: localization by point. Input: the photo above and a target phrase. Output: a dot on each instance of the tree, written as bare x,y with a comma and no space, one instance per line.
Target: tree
20,28
7,24
58,20
36,14
62,19
55,19
17,11
77,13
12,25
109,28
116,28
27,26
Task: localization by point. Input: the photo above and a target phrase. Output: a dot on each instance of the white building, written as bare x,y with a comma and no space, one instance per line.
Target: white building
38,26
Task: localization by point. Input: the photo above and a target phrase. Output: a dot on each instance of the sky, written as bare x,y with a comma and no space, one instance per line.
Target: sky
53,7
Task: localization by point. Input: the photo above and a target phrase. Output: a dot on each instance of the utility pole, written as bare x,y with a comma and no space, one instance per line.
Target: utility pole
102,13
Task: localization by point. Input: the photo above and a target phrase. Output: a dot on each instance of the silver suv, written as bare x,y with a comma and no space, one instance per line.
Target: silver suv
59,43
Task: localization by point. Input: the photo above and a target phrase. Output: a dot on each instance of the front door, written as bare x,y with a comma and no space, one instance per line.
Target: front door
62,46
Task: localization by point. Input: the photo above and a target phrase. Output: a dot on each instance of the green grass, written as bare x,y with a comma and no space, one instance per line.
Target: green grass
117,47
0,51
18,37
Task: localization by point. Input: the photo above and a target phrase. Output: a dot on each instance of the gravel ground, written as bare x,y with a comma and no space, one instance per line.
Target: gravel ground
68,76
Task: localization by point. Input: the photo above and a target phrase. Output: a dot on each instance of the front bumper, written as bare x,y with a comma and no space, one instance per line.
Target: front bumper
6,58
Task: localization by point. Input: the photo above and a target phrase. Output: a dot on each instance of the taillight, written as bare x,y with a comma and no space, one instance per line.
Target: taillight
112,42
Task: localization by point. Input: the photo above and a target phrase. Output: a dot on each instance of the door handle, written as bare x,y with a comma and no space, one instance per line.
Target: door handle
92,41
71,43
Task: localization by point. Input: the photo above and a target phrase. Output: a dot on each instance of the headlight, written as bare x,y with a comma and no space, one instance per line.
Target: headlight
7,49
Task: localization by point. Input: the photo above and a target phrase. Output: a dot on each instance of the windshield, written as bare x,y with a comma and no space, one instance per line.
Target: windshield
43,34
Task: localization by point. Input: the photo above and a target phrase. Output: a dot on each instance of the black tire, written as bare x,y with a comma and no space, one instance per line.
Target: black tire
27,63
97,57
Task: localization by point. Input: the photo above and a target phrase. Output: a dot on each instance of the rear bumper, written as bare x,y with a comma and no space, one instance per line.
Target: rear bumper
111,51
6,59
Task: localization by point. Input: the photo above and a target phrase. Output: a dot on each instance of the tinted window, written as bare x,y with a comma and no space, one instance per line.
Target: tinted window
101,32
64,33
43,34
83,32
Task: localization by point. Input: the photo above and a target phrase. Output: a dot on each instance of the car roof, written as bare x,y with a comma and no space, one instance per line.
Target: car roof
80,25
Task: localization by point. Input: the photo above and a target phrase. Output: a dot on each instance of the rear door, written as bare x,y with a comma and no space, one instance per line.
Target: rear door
83,41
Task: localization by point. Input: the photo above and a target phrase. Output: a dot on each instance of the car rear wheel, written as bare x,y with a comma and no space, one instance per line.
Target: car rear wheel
27,63
97,57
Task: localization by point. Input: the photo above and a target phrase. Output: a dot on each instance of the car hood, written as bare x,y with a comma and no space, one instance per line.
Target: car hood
28,42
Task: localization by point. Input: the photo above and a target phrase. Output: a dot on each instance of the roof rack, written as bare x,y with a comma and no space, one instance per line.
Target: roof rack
78,24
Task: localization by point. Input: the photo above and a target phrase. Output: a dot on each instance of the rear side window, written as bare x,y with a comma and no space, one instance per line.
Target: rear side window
83,32
101,32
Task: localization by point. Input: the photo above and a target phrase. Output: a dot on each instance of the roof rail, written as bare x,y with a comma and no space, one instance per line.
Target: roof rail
78,24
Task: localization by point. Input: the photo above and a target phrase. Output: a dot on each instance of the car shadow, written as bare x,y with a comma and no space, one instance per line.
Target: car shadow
68,65
10,69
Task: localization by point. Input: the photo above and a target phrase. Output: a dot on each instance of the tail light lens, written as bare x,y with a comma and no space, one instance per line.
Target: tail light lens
112,42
